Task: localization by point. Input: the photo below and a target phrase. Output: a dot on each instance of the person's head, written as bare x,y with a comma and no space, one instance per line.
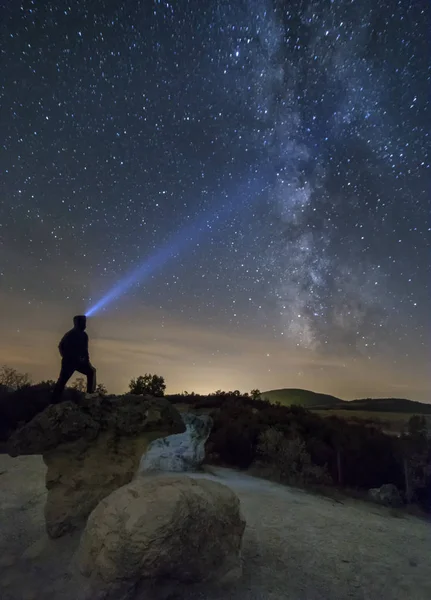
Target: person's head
80,322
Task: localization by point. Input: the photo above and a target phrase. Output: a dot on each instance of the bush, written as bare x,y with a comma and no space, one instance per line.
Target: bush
234,436
321,449
13,379
25,403
290,459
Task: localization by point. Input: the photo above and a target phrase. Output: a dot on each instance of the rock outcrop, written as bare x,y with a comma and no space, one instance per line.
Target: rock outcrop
387,494
91,449
161,528
180,452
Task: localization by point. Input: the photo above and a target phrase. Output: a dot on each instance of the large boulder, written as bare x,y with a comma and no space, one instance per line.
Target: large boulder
387,494
161,528
91,449
182,451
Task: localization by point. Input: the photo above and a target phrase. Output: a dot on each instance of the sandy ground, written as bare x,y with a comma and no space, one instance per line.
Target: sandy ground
297,546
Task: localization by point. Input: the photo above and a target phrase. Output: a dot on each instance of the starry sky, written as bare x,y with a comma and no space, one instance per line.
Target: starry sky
244,186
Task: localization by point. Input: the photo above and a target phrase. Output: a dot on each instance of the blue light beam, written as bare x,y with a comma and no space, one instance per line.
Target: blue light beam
185,237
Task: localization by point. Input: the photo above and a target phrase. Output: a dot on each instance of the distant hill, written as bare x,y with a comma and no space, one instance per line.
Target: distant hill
314,400
305,398
401,405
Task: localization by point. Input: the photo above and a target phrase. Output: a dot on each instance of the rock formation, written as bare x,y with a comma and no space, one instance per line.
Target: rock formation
91,448
161,528
182,451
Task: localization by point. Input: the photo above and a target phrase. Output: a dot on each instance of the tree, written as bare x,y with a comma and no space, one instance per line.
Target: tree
148,384
79,384
101,389
417,426
255,394
11,378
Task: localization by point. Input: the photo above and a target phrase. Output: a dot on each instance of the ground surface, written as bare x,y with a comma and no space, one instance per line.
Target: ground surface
297,546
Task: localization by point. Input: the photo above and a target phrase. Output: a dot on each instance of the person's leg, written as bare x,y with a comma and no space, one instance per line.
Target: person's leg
91,380
66,372
89,371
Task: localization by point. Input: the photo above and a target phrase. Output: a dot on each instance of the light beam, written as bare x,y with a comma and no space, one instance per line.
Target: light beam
185,237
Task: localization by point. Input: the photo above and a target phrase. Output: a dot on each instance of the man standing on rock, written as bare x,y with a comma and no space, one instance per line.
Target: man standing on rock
74,354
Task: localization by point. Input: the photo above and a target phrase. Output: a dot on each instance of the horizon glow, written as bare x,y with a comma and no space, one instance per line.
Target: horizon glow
184,238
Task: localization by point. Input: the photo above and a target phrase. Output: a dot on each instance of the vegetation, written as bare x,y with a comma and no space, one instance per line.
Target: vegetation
294,444
152,385
80,384
390,422
101,389
289,459
397,405
24,403
11,378
299,446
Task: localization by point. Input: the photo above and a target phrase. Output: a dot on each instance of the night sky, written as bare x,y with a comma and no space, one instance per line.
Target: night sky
251,178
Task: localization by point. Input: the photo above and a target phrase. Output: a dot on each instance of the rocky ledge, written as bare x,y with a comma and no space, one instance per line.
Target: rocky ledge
91,448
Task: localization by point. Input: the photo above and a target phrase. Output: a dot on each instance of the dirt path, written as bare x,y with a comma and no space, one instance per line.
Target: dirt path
297,546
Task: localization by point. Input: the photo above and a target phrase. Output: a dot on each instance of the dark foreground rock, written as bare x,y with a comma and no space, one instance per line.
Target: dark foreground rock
91,449
158,529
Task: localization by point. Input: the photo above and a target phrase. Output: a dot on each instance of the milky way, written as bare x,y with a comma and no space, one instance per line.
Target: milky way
124,122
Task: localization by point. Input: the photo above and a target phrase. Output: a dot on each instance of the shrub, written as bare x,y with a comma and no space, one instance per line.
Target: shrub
25,403
13,379
290,458
331,449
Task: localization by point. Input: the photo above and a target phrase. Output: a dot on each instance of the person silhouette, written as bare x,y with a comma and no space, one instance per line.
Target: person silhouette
73,349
